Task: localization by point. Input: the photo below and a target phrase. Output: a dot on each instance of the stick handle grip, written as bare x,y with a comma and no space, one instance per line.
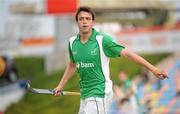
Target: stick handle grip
70,93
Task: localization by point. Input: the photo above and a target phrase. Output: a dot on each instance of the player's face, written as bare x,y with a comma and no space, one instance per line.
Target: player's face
85,22
122,76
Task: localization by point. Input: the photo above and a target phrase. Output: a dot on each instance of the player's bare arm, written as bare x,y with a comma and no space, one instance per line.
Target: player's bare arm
138,59
70,69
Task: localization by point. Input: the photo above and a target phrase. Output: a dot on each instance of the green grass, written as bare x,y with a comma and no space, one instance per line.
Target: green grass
47,104
29,66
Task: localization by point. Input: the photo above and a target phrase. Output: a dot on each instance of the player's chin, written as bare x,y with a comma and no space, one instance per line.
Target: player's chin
85,30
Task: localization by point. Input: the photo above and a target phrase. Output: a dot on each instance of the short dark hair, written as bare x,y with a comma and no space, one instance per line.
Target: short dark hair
85,9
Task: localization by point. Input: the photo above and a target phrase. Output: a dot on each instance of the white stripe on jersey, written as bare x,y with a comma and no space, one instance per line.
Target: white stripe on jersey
105,67
72,40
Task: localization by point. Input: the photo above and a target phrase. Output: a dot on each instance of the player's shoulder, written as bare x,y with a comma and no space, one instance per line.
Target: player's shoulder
73,38
104,35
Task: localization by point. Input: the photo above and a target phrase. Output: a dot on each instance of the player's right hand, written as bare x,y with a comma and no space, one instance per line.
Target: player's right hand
57,91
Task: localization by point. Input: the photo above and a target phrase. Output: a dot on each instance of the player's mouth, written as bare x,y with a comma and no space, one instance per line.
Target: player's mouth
84,26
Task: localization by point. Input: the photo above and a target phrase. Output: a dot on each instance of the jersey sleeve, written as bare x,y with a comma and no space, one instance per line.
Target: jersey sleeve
70,54
111,47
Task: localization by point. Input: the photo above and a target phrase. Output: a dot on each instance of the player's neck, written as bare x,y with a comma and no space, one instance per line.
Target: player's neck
84,37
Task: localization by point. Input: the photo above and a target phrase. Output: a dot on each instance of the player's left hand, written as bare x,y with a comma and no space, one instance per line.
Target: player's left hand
161,74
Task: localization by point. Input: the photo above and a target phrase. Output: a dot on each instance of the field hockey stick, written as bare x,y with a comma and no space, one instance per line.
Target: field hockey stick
47,91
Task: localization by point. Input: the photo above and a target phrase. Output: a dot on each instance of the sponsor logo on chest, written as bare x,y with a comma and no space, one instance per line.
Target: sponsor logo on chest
84,65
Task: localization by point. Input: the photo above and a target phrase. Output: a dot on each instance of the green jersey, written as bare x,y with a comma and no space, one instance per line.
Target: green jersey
127,84
92,62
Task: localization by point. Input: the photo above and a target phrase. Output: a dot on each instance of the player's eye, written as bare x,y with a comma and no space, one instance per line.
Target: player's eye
88,18
81,18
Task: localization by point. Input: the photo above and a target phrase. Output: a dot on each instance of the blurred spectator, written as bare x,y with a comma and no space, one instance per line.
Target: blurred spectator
126,99
8,69
156,97
2,66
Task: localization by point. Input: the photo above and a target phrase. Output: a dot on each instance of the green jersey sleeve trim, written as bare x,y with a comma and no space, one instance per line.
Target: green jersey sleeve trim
111,47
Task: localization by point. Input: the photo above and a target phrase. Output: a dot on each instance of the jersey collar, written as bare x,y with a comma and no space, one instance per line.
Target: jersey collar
92,36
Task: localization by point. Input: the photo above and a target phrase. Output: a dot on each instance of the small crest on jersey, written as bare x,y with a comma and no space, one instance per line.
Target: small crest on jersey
94,51
74,52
